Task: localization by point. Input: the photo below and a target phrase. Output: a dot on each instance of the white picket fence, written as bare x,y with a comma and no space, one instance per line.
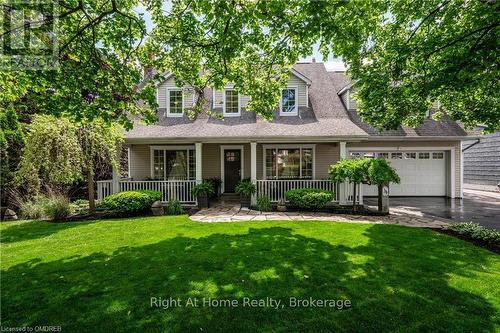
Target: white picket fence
170,189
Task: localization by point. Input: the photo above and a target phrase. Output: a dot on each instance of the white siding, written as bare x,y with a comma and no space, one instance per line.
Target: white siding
326,155
140,167
292,82
162,94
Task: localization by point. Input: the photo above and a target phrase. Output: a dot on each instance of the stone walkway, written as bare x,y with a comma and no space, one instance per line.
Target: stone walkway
235,213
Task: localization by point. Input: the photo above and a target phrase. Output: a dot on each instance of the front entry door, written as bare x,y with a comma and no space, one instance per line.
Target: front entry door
232,169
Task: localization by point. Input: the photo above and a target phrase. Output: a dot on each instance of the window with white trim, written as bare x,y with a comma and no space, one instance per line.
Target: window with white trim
175,100
288,106
383,155
438,156
423,156
396,156
174,164
289,163
231,102
410,156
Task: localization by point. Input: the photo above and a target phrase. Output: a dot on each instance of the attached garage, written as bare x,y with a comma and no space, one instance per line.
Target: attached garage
422,172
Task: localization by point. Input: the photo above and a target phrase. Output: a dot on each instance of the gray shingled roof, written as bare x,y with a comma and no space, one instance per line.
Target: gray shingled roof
325,118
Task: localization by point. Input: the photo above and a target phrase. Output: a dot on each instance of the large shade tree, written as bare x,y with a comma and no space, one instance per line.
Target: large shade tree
404,54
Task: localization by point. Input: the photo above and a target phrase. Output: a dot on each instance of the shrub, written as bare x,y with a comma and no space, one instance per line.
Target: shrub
264,203
476,231
309,198
204,189
80,207
31,210
130,201
174,207
245,188
57,207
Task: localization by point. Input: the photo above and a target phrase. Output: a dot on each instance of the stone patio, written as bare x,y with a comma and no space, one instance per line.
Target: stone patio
233,213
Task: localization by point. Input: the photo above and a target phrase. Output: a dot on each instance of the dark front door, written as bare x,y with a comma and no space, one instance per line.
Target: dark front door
232,169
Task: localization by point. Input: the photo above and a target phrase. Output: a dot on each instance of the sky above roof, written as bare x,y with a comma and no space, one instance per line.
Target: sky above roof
331,64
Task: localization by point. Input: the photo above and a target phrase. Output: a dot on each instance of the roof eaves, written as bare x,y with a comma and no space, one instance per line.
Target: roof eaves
349,86
301,76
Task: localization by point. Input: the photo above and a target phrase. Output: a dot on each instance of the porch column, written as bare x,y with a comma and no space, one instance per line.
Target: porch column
115,180
253,167
343,186
199,174
115,183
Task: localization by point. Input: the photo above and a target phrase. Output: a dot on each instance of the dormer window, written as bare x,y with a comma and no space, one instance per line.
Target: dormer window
175,106
231,103
288,106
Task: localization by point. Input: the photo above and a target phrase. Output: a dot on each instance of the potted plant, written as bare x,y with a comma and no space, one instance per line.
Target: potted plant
245,189
216,184
202,192
281,207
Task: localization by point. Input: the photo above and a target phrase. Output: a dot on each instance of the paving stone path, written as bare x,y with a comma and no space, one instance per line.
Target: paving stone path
234,213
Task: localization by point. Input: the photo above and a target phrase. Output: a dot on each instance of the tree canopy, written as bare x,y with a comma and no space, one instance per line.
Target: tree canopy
420,52
403,55
96,45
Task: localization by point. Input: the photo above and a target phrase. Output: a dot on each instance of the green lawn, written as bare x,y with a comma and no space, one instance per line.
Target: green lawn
99,276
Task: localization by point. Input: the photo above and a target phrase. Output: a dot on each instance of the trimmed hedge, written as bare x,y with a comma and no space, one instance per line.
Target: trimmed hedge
309,198
478,232
130,201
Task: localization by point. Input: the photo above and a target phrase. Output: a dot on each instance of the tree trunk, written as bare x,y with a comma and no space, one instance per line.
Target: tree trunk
354,198
90,186
380,187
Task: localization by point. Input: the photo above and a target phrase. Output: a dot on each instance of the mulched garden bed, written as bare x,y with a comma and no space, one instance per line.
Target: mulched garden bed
492,247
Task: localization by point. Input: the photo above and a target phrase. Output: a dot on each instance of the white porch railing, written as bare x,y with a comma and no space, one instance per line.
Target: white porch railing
170,189
104,188
276,189
349,193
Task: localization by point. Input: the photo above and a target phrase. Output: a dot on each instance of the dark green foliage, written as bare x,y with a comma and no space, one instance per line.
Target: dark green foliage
380,172
130,201
264,203
216,184
476,231
309,198
174,207
204,189
245,188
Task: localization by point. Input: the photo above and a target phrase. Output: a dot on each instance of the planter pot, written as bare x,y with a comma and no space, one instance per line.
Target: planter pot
202,201
157,208
245,201
281,208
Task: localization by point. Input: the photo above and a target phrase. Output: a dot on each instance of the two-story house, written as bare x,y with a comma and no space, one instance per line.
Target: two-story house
315,125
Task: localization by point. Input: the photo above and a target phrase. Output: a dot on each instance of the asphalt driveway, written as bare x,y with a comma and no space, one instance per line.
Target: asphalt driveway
476,206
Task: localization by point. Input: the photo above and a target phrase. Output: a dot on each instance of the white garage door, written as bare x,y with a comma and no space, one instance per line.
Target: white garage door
422,173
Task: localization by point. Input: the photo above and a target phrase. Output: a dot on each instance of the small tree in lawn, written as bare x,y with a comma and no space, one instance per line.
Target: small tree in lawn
58,151
354,171
380,173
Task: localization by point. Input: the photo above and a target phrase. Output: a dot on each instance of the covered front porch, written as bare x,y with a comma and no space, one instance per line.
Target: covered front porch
274,167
